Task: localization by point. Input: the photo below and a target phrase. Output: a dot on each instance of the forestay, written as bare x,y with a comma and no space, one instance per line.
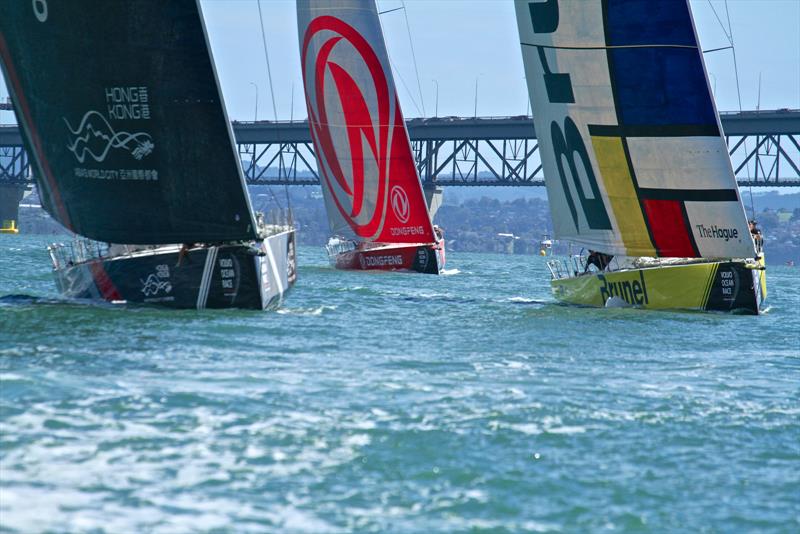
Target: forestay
120,106
371,187
630,140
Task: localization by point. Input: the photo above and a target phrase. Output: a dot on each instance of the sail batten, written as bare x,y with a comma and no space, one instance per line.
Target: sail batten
122,113
630,140
370,183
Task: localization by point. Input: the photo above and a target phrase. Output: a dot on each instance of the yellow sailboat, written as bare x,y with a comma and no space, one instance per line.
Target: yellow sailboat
635,163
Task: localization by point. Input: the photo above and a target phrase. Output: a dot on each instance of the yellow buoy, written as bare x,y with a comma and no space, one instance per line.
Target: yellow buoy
9,227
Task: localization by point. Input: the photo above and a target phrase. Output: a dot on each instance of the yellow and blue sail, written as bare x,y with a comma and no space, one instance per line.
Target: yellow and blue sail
631,144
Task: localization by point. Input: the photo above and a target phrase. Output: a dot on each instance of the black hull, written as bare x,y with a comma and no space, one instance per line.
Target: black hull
252,276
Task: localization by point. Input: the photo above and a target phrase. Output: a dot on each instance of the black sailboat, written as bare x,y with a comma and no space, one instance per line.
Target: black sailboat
121,109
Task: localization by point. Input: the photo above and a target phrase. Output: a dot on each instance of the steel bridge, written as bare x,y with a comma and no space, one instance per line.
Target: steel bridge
483,151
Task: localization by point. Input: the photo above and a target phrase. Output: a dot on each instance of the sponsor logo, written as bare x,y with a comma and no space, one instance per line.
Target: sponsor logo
382,261
362,261
715,232
407,230
343,75
400,204
729,284
422,257
94,137
157,282
227,274
631,291
95,140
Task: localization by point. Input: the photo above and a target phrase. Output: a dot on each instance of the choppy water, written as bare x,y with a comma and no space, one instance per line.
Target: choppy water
395,402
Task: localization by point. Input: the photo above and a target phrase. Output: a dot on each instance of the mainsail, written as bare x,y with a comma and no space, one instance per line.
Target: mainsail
121,109
371,187
630,140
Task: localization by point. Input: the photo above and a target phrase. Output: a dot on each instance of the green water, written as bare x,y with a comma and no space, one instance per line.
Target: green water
395,402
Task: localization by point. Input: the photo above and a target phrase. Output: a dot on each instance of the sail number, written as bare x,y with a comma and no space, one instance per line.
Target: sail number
567,140
40,10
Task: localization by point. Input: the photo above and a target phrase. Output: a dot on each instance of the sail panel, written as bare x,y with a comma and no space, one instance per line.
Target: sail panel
371,187
121,111
629,137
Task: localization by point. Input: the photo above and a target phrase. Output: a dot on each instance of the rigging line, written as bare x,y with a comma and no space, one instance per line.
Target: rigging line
729,36
717,49
266,56
390,10
739,96
413,57
410,94
271,91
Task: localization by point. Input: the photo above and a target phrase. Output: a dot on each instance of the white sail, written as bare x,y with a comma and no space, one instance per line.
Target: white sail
630,140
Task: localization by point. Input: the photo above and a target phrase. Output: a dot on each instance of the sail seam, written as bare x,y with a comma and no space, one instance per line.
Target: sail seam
608,47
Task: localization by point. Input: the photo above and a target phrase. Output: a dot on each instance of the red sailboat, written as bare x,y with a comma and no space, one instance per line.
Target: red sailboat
376,207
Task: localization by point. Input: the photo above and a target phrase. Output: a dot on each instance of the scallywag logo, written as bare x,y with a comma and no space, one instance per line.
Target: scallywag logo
715,232
631,291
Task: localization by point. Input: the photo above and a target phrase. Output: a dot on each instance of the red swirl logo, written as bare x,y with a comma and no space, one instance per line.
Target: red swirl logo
352,120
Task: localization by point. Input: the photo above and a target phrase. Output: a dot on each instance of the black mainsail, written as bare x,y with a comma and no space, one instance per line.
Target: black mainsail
121,109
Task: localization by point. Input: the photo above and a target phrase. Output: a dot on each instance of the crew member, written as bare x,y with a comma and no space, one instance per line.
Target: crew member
598,259
756,233
184,253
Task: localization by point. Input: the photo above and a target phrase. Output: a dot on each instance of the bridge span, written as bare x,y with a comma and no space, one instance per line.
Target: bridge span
480,151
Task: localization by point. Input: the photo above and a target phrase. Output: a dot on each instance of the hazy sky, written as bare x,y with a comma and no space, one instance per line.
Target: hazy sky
457,41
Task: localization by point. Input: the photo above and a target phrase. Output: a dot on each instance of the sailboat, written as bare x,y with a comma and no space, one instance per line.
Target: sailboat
373,195
635,163
121,111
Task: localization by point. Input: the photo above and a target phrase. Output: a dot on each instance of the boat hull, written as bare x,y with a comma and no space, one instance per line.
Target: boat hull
250,276
428,259
732,286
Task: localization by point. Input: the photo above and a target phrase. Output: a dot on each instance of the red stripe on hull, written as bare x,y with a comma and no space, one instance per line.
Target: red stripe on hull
669,229
103,282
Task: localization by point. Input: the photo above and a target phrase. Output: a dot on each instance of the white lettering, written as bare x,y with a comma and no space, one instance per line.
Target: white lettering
128,102
408,230
382,261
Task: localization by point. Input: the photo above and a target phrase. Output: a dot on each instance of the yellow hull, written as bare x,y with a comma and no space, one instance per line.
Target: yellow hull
720,286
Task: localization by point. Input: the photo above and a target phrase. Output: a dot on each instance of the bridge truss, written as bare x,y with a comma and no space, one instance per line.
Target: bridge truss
764,147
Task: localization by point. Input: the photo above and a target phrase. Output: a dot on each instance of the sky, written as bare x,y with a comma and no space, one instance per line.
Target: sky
459,42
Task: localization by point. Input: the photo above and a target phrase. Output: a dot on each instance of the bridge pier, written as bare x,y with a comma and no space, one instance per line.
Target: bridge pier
433,196
10,196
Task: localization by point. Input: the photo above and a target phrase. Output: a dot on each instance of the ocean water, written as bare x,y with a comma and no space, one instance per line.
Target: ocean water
395,402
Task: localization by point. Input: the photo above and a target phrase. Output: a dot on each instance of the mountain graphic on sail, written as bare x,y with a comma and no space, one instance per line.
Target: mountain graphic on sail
369,180
631,143
121,110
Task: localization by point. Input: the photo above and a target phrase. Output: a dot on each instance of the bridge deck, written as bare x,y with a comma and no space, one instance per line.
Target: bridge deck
764,148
